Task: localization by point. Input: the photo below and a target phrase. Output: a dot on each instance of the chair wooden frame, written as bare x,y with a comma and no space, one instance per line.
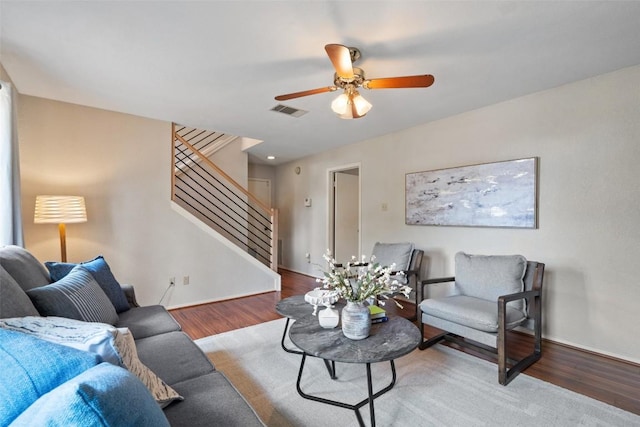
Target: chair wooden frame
414,272
533,294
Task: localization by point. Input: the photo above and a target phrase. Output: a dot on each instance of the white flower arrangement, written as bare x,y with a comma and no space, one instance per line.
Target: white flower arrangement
357,281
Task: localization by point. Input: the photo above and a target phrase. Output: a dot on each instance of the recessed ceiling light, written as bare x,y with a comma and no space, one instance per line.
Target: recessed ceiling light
271,157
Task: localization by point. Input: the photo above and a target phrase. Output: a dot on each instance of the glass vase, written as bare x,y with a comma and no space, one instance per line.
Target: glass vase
356,321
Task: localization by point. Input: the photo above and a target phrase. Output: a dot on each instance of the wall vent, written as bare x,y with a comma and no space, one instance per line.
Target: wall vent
289,111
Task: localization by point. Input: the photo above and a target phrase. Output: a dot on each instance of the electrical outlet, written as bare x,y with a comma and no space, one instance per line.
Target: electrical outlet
172,281
308,257
185,280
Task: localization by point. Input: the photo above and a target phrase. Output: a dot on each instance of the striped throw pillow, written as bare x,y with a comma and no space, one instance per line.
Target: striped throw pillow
76,296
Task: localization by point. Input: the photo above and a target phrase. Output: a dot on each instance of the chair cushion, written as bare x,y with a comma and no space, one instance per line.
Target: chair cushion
14,302
76,296
100,271
105,395
25,269
393,253
476,313
490,276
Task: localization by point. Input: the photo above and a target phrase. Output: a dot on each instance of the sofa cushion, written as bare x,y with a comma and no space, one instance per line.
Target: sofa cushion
161,392
27,372
25,269
490,276
476,313
173,356
105,395
100,271
14,301
76,296
113,345
211,397
147,321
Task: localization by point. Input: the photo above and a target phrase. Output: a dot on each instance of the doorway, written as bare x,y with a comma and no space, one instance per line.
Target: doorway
344,212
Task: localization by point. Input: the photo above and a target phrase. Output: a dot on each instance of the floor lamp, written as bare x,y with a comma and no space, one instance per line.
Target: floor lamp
60,210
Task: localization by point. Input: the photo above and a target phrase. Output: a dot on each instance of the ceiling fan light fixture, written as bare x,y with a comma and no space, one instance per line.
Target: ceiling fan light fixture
362,106
340,104
350,105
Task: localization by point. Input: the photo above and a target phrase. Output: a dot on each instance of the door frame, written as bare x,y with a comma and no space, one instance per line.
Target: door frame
331,205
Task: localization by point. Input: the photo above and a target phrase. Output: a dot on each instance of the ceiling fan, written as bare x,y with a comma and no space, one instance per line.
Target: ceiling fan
351,105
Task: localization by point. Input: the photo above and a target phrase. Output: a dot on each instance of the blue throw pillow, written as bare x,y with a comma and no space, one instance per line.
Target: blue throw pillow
32,367
75,296
100,270
105,395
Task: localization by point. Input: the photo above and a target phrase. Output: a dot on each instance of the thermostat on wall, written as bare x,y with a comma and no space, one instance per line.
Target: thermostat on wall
307,202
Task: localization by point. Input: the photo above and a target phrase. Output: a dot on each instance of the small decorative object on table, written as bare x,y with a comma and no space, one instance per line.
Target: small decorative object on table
329,317
378,314
319,296
356,282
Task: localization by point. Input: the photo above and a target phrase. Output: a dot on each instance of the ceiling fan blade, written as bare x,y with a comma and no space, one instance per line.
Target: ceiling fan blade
423,80
306,93
341,59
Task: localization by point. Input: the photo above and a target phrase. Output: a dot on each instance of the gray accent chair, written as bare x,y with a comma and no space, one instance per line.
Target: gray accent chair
407,259
491,295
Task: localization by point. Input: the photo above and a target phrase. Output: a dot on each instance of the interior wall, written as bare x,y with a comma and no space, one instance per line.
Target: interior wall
122,165
4,76
233,161
585,135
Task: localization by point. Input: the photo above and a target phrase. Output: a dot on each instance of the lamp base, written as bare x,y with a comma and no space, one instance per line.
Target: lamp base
63,241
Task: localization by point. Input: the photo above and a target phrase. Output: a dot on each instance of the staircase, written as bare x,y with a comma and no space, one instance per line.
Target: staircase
203,189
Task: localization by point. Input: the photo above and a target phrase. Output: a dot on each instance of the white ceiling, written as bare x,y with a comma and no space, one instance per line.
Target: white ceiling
218,64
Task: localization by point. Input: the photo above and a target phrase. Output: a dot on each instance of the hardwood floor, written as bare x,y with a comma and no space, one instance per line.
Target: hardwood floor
603,378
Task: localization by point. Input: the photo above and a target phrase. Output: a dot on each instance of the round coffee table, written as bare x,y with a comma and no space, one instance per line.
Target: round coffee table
386,342
294,308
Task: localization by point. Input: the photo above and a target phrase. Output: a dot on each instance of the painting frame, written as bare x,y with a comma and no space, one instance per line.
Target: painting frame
501,194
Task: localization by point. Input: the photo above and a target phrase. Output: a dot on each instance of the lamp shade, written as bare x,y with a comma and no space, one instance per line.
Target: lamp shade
60,210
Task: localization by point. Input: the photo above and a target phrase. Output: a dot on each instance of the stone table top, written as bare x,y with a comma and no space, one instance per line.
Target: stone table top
296,307
387,341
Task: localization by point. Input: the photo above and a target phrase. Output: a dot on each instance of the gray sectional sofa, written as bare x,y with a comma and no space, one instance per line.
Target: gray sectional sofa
209,398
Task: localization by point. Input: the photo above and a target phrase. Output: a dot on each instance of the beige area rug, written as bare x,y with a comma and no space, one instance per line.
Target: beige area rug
435,387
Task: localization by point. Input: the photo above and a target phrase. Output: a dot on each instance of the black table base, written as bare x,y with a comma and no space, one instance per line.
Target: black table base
331,366
357,406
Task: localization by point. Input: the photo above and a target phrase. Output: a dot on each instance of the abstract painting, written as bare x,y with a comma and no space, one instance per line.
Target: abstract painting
501,194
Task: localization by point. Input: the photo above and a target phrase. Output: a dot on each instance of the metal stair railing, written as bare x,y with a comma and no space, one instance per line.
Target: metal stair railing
210,194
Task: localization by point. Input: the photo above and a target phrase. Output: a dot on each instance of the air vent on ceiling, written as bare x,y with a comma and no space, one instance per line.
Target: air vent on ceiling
289,111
